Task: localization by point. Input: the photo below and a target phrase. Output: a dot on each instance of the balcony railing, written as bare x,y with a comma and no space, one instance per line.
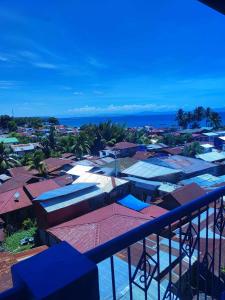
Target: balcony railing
179,255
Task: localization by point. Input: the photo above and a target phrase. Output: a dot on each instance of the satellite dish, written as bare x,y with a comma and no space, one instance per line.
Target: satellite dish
16,196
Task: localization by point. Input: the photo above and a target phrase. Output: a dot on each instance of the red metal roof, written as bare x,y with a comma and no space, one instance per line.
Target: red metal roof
54,163
154,211
187,193
8,203
14,172
37,188
63,180
15,182
97,227
142,155
124,145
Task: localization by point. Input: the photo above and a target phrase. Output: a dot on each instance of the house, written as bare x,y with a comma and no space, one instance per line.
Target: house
21,149
4,178
57,166
219,142
182,196
205,181
213,156
64,203
124,149
17,171
188,166
16,182
154,211
97,227
79,170
142,155
15,206
9,140
34,190
210,136
206,147
113,187
147,170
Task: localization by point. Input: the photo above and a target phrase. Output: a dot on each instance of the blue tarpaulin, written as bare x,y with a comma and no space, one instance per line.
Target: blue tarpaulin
131,202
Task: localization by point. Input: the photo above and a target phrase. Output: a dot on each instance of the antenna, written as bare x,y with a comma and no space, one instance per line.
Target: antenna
16,196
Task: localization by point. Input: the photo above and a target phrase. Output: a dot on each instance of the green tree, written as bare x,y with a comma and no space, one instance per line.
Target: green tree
192,150
36,162
6,161
53,121
12,126
215,120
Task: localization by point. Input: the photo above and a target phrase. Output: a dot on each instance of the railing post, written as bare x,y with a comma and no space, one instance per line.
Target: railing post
61,272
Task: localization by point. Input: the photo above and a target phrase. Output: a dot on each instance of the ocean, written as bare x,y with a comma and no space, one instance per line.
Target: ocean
154,120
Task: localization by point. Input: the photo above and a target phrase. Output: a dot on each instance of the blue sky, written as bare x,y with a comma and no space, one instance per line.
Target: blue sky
87,57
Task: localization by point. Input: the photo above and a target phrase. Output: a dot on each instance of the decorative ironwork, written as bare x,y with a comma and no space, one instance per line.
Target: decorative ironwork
220,218
171,292
145,271
189,241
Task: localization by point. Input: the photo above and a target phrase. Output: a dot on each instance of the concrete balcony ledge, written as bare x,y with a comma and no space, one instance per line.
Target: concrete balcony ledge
61,272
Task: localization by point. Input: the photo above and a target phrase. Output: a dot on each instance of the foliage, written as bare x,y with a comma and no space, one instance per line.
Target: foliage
12,242
192,149
173,140
28,224
194,118
6,161
53,121
36,162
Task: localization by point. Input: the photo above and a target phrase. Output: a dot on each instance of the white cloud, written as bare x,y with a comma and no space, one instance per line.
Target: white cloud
95,63
3,58
7,84
126,108
44,65
77,93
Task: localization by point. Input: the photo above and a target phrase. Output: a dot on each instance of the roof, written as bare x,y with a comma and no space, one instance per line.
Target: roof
205,180
63,180
133,203
174,150
122,163
156,146
23,147
124,145
167,187
105,183
185,164
206,145
8,203
64,191
154,211
210,134
54,163
79,170
99,226
187,193
147,170
8,140
4,177
38,188
143,183
17,171
212,156
15,182
142,155
222,138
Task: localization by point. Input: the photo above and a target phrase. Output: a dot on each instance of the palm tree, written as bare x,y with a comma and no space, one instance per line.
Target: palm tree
215,120
81,145
192,150
36,162
208,113
182,118
7,161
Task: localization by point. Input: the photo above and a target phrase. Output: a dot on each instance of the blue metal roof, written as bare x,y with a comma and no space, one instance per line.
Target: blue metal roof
66,190
131,202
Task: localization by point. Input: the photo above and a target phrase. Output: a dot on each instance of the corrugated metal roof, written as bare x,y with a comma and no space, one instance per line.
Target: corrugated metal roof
8,140
212,156
183,163
147,170
105,183
38,188
205,180
63,191
133,203
79,170
210,134
99,226
154,211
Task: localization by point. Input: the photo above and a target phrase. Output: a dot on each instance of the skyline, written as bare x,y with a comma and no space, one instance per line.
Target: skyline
82,58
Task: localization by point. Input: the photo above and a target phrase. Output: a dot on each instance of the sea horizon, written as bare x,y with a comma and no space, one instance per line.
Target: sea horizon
158,120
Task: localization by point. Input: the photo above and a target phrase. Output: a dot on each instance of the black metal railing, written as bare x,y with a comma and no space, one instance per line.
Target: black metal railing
176,256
